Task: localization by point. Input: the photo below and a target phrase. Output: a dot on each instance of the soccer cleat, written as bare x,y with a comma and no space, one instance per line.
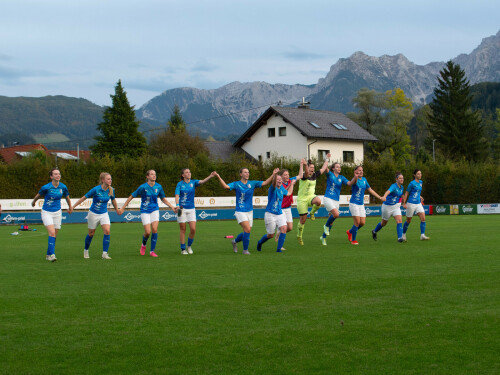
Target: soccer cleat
52,257
326,230
374,235
86,254
283,249
279,251
349,235
299,240
47,257
184,252
190,251
105,255
423,237
401,239
143,249
235,246
153,254
323,240
354,243
312,216
404,237
246,252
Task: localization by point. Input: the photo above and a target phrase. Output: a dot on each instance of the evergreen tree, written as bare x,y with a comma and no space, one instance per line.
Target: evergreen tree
176,123
119,128
455,127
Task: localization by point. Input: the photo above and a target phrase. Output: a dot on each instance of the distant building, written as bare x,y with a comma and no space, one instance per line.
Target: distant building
15,153
222,150
304,133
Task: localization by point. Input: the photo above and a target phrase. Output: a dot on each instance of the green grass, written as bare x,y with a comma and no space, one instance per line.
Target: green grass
379,308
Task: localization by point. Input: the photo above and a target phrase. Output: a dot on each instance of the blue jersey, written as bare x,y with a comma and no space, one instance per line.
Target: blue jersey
274,199
100,199
149,197
52,196
358,191
244,194
185,191
414,190
333,185
395,194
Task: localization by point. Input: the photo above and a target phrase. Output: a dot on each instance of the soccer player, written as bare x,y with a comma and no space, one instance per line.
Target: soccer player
149,192
51,210
244,189
307,195
356,204
274,216
332,196
412,201
184,199
392,207
98,213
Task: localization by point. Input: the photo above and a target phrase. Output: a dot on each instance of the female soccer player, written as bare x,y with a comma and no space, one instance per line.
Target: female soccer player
98,213
392,207
51,210
413,204
332,196
307,195
149,192
184,199
356,204
274,216
244,189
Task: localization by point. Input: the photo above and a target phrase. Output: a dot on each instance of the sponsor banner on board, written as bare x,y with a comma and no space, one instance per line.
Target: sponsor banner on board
490,208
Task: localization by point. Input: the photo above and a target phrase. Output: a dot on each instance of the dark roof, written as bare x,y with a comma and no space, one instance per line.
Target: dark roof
301,119
9,153
223,150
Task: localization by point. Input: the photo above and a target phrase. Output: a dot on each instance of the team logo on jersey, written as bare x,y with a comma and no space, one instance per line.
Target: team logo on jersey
156,191
249,186
191,185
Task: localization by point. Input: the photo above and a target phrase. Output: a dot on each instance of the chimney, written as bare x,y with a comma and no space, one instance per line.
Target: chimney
304,104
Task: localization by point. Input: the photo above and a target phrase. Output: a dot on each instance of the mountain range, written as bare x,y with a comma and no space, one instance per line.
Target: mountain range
231,109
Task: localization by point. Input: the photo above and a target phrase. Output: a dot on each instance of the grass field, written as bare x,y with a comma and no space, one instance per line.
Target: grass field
379,308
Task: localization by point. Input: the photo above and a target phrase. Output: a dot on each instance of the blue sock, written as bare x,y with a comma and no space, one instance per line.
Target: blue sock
183,246
190,241
330,221
144,240
154,238
405,227
105,243
399,229
354,231
261,241
239,237
378,227
51,249
422,227
324,235
281,241
88,240
246,240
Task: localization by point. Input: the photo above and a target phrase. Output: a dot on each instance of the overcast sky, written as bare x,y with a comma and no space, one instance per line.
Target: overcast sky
81,48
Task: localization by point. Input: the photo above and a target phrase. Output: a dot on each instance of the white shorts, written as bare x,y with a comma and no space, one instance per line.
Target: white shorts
52,218
188,215
389,211
244,216
94,219
357,210
150,218
288,214
414,209
272,221
330,204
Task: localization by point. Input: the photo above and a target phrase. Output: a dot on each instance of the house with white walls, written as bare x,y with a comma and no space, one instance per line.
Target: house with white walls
304,133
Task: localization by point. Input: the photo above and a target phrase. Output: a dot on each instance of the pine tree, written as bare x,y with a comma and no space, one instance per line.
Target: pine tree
119,128
176,123
455,127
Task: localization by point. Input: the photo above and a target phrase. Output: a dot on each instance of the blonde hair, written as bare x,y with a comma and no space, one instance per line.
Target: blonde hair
101,178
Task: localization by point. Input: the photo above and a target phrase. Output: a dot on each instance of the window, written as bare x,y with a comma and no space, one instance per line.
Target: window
271,132
260,157
282,131
268,154
348,156
314,124
339,126
322,154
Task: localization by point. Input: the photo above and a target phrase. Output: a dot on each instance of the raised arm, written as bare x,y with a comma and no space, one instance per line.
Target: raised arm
374,193
271,178
324,168
290,187
221,181
201,182
301,169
